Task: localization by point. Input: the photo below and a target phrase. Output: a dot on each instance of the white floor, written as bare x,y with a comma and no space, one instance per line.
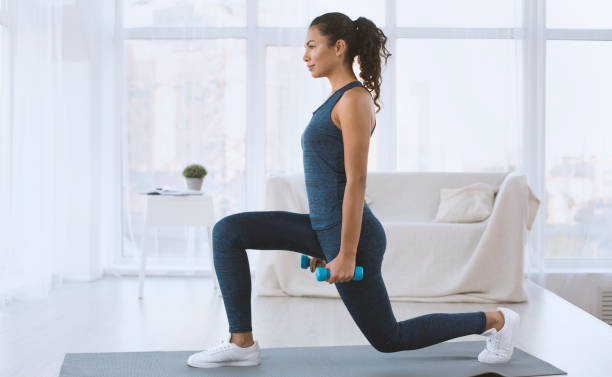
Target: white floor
184,313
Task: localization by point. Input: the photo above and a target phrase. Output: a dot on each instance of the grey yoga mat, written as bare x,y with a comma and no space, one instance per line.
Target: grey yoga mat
442,359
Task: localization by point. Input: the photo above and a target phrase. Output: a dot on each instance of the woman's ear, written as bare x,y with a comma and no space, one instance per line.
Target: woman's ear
340,47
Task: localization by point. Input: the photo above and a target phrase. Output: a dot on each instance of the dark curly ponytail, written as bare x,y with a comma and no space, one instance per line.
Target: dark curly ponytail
364,40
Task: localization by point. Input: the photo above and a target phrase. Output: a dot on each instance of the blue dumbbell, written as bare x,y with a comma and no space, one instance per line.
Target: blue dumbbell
322,273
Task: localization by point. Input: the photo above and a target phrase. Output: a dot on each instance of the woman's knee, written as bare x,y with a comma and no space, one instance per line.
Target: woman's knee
384,336
226,228
385,346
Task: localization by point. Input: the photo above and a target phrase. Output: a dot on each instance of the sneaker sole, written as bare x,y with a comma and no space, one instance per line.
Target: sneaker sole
486,358
243,363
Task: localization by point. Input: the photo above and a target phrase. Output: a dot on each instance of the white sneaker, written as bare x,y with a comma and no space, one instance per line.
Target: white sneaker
500,344
226,354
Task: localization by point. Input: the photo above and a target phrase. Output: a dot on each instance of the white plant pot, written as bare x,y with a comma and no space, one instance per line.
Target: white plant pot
194,183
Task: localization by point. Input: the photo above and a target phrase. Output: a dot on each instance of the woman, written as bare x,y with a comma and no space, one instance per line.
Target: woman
341,231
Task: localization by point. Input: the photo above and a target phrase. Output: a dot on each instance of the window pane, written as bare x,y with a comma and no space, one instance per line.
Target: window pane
186,103
4,87
5,127
457,105
215,13
578,153
299,13
587,14
291,97
3,67
452,13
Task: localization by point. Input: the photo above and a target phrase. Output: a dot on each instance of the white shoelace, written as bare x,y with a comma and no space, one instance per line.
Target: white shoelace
494,344
225,345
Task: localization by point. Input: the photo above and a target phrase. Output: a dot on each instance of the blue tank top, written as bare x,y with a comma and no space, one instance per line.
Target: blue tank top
323,155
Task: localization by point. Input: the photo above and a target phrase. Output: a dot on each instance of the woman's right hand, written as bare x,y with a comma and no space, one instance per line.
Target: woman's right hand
316,262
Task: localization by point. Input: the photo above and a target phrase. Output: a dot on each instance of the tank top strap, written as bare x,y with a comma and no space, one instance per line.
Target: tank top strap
331,100
336,96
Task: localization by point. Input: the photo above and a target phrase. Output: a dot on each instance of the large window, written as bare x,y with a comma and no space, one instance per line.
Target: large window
578,131
223,83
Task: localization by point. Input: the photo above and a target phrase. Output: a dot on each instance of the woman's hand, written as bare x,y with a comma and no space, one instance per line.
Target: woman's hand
341,269
316,262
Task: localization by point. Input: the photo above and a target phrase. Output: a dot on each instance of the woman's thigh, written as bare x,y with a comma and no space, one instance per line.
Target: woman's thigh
370,248
267,230
367,300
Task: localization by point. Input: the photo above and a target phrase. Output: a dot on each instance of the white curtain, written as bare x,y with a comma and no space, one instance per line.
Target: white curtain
60,204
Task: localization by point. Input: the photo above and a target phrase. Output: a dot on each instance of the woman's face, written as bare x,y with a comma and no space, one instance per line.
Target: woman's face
320,59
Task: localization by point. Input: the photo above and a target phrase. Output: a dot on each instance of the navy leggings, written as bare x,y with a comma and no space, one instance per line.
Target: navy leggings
366,300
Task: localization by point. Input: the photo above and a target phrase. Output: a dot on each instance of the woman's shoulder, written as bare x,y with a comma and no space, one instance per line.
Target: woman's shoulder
354,102
357,97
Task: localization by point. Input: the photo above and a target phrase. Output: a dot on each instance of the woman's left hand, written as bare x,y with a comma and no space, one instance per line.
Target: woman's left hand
341,269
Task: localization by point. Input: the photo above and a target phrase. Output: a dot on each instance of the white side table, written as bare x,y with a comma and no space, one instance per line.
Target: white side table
170,210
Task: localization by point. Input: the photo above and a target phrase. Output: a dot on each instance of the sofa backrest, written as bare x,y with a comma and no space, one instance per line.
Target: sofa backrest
415,196
394,195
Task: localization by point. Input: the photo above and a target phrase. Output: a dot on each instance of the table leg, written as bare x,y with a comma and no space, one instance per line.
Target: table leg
143,261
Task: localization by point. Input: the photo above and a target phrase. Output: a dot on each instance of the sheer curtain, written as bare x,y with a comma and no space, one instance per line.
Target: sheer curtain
60,208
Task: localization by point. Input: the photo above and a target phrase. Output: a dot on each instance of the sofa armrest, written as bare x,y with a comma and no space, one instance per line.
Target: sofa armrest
533,205
515,195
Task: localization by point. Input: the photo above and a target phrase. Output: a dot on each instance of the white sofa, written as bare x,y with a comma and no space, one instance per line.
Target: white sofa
425,261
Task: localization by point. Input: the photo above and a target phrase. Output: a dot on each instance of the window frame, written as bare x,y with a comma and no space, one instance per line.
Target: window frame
7,74
4,13
533,32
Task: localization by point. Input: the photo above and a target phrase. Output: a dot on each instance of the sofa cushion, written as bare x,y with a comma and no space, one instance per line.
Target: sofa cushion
471,203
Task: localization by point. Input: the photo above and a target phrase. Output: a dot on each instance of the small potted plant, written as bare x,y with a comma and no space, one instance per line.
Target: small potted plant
194,175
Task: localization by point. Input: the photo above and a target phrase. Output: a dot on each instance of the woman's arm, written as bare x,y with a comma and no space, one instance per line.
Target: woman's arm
355,122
